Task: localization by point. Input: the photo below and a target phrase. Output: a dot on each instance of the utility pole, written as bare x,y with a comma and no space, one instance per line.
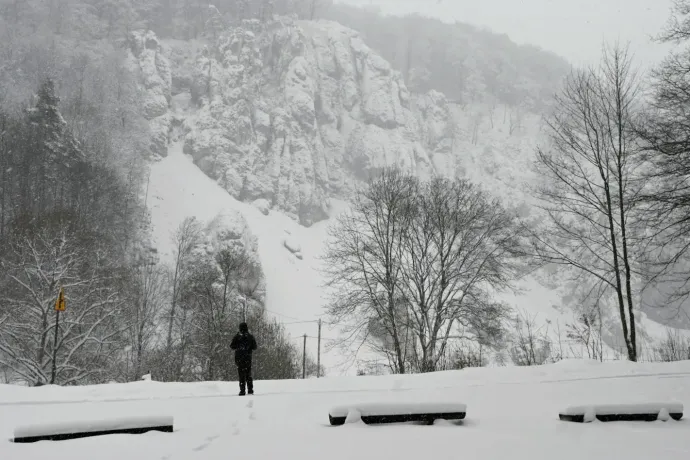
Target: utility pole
304,358
318,354
244,309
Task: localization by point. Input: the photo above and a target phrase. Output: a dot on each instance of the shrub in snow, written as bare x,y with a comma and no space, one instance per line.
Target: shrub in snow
466,354
530,343
675,347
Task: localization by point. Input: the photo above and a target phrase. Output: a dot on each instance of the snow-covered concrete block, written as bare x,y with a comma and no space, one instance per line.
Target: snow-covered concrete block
648,412
372,413
59,431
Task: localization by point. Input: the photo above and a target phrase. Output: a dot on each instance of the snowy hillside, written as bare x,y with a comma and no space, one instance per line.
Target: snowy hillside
511,413
179,189
273,125
289,252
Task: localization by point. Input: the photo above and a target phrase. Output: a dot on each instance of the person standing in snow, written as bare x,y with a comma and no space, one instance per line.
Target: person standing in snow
244,344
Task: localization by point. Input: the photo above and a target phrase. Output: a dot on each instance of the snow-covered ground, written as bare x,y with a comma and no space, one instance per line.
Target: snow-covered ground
511,413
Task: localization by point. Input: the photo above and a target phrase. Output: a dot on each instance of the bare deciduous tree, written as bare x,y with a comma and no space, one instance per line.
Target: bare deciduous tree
413,265
468,354
587,333
530,343
38,264
592,185
185,239
145,306
364,262
460,247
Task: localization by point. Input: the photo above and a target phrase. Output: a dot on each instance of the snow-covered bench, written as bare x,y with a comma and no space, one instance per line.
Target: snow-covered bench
623,412
81,429
397,413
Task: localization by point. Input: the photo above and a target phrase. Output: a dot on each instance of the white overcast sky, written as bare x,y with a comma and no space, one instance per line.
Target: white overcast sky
574,29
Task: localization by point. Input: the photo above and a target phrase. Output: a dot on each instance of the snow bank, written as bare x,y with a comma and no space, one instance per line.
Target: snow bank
390,386
92,426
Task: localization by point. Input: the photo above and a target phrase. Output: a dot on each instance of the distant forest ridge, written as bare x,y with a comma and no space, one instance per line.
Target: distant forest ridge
466,63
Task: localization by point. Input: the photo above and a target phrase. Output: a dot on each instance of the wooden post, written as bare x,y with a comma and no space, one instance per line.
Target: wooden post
60,305
304,358
55,340
318,354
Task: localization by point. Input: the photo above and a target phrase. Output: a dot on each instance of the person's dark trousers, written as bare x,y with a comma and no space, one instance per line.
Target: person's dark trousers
246,381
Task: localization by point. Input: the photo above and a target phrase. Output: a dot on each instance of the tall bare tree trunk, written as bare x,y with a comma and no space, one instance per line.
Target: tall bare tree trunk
590,157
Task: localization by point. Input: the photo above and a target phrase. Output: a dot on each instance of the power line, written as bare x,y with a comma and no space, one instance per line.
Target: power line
284,316
301,322
297,320
312,337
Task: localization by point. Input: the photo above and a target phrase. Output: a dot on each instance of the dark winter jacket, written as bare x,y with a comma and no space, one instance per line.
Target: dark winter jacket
243,344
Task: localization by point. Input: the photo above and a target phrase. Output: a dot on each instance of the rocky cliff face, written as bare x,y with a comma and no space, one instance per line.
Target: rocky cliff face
289,113
148,61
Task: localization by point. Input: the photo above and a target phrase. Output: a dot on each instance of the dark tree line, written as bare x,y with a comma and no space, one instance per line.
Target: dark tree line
70,219
65,220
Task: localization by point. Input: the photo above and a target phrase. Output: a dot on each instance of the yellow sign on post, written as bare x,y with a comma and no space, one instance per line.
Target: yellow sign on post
60,303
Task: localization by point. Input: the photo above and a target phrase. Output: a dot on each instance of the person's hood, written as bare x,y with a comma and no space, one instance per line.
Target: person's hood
244,328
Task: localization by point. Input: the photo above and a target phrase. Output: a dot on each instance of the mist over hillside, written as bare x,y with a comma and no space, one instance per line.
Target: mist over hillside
462,61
